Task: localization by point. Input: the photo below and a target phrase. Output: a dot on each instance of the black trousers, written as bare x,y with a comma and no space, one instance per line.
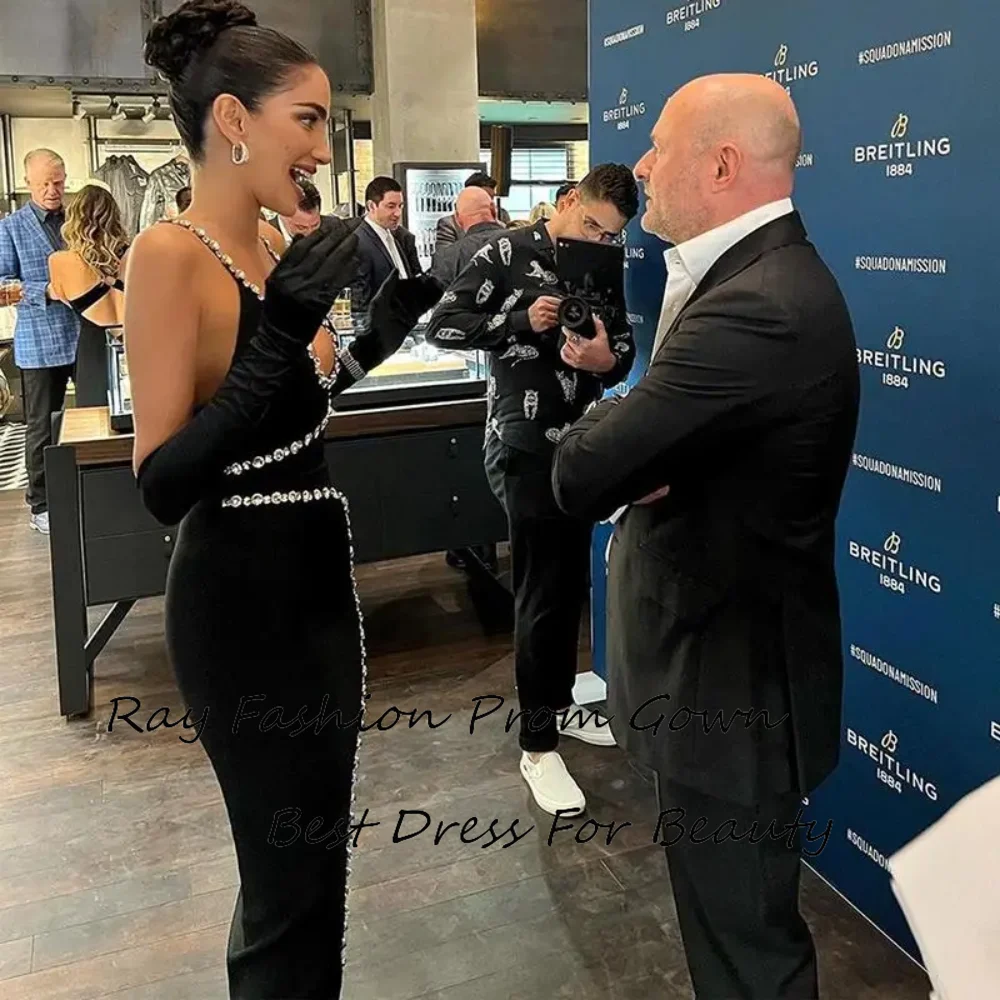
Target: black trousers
738,899
44,394
550,556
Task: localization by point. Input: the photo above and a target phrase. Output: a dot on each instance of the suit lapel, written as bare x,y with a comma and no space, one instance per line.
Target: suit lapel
781,232
377,240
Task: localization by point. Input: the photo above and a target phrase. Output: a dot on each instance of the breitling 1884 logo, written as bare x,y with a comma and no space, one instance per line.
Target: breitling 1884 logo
895,573
625,111
787,71
899,368
903,151
690,13
890,770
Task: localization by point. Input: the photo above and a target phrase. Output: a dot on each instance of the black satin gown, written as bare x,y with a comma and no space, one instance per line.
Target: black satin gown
263,628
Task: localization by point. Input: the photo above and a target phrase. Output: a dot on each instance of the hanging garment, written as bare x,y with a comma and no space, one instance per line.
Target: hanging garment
128,183
161,191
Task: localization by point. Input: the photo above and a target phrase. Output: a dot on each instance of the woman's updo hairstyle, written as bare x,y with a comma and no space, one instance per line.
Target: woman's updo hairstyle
210,47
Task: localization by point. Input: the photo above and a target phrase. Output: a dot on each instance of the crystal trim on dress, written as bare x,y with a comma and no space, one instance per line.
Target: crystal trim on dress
282,497
227,261
325,381
364,700
280,454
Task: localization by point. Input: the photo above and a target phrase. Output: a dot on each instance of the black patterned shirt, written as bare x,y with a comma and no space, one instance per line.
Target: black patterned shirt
534,397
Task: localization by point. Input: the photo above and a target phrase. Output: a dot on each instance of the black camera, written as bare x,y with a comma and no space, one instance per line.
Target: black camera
592,275
576,316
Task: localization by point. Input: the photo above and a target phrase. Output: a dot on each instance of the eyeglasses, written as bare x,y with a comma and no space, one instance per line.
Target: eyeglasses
595,231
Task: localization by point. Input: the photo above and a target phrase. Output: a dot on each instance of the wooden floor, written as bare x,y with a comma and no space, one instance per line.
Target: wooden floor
117,875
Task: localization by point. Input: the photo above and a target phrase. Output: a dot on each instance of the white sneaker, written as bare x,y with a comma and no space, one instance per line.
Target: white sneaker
552,785
588,725
40,522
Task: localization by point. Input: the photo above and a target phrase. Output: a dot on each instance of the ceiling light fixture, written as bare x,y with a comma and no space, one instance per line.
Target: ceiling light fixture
78,111
117,111
150,114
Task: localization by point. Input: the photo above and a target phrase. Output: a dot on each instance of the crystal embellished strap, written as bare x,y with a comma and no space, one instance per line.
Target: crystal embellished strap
226,260
280,454
279,497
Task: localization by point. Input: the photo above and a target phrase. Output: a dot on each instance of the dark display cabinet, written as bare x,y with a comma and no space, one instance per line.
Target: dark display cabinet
413,476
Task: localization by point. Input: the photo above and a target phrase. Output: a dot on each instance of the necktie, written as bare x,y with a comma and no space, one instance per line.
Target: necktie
397,257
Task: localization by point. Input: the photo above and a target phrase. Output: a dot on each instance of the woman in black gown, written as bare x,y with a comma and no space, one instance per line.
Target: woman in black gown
231,388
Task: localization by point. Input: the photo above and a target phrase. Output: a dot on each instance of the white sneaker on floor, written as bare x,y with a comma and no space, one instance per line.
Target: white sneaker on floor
40,522
586,724
551,784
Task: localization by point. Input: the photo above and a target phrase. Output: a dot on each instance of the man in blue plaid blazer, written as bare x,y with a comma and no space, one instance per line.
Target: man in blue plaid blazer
47,332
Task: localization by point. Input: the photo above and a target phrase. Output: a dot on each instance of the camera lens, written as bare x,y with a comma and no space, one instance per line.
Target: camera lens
573,312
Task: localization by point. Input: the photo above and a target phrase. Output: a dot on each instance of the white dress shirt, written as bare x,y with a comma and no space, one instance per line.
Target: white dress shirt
690,261
390,244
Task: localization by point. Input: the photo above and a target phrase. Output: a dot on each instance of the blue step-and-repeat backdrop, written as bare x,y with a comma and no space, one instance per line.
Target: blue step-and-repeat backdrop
899,188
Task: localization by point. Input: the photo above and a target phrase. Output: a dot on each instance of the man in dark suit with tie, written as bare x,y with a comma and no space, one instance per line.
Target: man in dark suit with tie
383,244
729,456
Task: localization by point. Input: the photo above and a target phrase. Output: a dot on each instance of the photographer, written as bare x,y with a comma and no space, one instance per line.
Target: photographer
506,302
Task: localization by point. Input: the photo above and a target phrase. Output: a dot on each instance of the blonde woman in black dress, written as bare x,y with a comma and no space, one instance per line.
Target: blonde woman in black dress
86,276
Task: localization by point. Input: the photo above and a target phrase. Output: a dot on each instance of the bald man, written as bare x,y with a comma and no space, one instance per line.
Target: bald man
725,465
476,215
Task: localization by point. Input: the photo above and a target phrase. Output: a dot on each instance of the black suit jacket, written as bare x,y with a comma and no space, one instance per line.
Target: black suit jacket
375,264
722,596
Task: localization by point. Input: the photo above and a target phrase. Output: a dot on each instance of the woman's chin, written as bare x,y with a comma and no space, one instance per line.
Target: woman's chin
282,203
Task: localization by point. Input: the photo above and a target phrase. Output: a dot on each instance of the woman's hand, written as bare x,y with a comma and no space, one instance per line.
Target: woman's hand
302,288
394,312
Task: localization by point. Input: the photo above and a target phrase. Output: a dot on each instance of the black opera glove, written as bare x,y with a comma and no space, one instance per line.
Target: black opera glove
394,312
306,281
299,292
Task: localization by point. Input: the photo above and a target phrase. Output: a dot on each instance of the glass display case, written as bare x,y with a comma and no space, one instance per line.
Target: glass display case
429,193
119,388
418,372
